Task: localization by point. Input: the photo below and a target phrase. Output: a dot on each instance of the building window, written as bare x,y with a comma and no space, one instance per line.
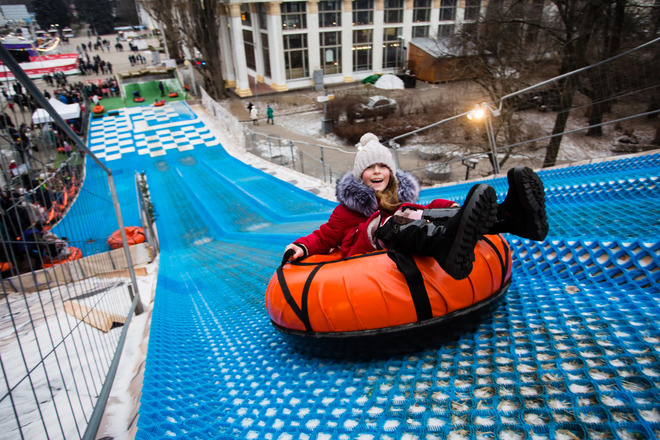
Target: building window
472,9
362,49
246,18
294,16
445,30
248,41
421,11
329,13
363,12
448,10
393,11
420,31
265,52
263,18
296,61
331,52
392,48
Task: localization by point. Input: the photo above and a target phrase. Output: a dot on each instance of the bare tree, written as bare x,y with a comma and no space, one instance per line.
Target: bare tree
199,22
504,54
162,11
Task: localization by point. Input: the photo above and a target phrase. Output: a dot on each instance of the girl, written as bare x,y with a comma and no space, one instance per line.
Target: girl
377,210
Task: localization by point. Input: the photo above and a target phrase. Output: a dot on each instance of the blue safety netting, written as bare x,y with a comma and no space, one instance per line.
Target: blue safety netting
572,353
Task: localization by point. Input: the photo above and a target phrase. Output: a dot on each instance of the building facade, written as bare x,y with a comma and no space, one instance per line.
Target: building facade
299,44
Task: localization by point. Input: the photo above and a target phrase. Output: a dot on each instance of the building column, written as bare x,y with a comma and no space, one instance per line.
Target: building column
276,47
225,49
406,32
377,51
256,39
313,38
460,14
347,41
238,49
435,18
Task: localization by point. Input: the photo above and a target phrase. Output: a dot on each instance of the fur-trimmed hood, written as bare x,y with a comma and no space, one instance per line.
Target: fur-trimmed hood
357,196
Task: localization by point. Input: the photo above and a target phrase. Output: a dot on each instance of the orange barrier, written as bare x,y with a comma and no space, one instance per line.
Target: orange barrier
98,109
134,235
159,103
75,254
173,94
327,298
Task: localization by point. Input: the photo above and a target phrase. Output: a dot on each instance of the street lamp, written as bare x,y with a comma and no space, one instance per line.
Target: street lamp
484,111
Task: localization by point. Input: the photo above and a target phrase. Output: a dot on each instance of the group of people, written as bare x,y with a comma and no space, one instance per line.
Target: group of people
55,79
254,114
99,44
87,67
27,214
138,58
378,209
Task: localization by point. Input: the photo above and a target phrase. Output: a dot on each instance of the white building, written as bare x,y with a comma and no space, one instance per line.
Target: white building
298,44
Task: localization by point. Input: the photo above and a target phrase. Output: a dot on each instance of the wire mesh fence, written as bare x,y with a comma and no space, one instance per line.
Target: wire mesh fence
606,108
66,297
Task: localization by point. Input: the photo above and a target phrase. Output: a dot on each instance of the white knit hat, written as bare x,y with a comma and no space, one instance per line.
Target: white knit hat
371,152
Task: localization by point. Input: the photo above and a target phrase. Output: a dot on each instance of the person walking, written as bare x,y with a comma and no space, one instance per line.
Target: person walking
269,115
254,115
161,87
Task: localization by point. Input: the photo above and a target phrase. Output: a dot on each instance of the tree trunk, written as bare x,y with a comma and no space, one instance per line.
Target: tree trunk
565,102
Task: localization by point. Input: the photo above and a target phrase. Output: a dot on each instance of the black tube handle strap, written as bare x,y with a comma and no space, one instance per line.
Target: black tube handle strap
302,311
407,266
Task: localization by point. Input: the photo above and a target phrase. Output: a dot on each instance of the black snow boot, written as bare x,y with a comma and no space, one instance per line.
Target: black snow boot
448,235
523,211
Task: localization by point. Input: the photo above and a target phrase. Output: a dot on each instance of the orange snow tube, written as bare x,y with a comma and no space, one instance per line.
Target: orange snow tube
134,235
159,103
371,304
74,254
173,94
98,109
138,99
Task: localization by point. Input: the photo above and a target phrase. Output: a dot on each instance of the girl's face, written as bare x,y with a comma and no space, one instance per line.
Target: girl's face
377,176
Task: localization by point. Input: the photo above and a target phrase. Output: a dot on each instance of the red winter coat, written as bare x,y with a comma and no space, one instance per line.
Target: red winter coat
346,229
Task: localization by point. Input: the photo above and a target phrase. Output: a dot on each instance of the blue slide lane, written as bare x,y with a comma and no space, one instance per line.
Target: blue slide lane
573,352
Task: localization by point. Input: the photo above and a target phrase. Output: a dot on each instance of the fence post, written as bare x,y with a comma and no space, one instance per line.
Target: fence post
270,150
323,163
302,162
293,159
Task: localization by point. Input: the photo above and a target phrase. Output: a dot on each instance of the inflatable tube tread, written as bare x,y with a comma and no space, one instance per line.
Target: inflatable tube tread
369,292
75,254
134,235
403,328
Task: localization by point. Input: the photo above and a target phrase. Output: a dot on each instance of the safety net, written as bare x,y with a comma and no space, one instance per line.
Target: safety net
573,352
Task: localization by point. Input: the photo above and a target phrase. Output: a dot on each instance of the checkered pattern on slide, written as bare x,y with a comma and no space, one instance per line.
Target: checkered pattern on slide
147,130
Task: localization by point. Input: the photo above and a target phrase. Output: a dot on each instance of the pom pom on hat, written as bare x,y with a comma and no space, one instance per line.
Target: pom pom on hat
371,152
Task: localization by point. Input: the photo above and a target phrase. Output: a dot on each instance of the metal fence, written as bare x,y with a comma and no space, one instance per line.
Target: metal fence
66,299
616,99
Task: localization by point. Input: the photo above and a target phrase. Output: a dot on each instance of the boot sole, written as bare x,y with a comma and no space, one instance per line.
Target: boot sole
531,196
479,214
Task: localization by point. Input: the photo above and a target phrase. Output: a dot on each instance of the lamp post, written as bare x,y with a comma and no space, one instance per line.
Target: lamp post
402,57
484,110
